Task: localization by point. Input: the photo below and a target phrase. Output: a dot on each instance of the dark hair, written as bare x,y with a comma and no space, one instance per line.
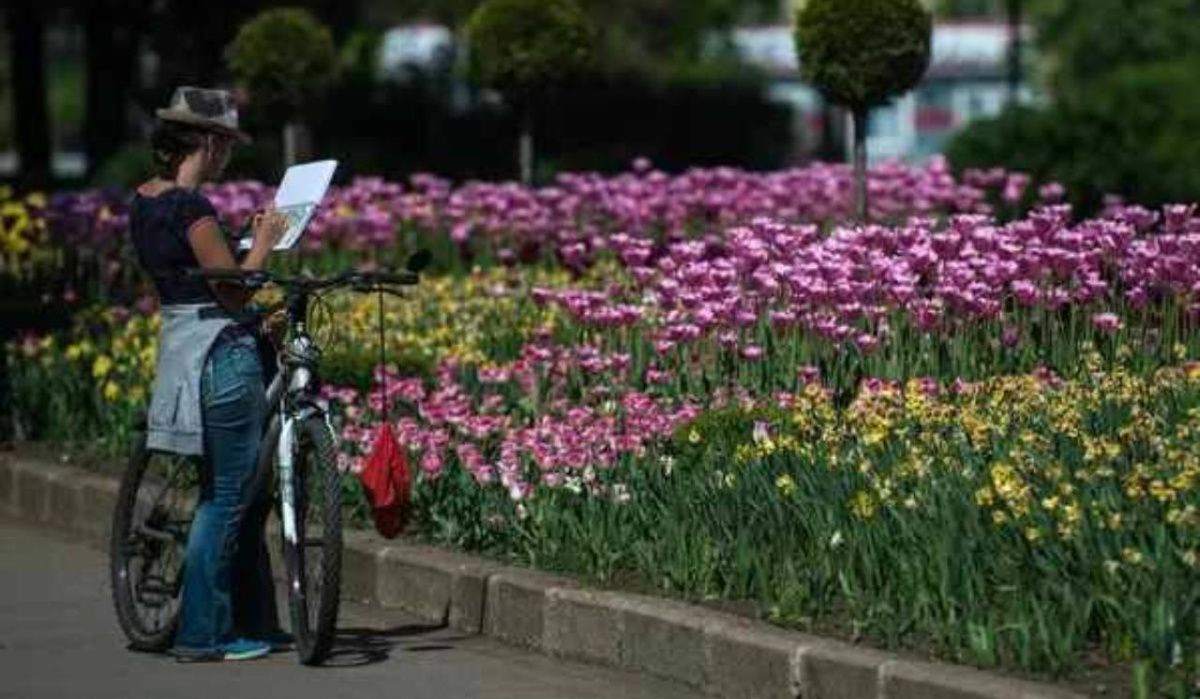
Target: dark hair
171,143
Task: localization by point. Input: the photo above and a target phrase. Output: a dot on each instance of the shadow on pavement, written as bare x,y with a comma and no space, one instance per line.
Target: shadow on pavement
358,646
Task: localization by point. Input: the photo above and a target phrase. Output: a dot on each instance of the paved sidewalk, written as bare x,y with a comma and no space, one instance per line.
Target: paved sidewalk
59,638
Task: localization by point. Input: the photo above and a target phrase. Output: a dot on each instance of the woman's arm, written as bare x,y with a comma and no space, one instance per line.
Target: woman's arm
212,252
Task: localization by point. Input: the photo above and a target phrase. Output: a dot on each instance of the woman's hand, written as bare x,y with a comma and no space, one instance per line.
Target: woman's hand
274,326
212,252
268,227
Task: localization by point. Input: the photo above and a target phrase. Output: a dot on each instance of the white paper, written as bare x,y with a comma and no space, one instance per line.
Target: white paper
305,183
297,198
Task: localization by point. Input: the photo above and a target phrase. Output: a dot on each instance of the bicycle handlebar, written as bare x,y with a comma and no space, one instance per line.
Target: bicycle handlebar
359,281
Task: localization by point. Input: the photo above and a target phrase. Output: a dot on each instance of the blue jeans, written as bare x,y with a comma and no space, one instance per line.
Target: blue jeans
228,592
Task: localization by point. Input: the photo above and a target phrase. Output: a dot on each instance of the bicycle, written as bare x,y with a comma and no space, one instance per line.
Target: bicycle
159,491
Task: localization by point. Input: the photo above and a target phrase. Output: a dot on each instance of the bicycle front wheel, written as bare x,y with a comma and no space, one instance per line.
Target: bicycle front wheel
314,558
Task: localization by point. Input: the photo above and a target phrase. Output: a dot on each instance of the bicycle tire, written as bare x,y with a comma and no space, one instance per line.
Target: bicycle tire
135,514
314,584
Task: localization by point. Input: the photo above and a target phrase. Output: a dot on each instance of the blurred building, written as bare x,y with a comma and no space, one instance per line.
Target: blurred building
423,45
967,80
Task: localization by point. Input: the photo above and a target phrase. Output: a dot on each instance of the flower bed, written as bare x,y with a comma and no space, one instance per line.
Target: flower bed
969,429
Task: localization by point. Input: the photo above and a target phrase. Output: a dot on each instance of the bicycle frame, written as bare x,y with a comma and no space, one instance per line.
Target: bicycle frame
291,399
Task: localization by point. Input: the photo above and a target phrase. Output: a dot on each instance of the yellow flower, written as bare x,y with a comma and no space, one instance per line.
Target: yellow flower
1131,555
1009,486
694,436
786,485
863,505
1185,516
147,358
101,366
1161,491
111,391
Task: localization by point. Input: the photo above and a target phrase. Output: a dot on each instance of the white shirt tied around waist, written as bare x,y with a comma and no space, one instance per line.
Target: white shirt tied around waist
175,422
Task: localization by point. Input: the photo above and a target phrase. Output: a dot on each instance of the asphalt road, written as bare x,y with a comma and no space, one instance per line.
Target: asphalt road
59,638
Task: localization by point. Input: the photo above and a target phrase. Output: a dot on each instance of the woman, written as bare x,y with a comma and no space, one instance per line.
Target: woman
208,390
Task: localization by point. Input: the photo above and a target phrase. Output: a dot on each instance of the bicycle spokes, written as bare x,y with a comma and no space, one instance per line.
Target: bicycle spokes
154,540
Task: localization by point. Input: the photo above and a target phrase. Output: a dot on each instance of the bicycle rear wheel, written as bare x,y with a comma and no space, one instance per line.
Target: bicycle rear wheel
150,526
314,559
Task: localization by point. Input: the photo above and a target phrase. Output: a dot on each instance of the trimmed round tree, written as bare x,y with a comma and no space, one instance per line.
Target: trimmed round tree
522,48
285,57
860,54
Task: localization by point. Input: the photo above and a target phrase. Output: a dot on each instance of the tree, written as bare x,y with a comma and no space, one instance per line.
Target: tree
26,31
860,54
286,59
640,36
522,48
1124,113
1085,41
112,38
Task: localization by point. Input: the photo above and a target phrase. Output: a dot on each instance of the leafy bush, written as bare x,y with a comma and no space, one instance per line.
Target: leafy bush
861,53
286,58
521,46
1134,135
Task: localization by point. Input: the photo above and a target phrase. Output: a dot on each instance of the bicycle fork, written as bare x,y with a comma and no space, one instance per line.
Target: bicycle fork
285,463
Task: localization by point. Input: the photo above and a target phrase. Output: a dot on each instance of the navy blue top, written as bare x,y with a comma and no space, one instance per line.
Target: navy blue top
158,227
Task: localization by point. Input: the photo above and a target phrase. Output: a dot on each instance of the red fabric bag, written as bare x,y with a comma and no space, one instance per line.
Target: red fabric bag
388,482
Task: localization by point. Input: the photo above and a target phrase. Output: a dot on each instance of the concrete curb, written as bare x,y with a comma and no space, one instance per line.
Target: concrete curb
721,654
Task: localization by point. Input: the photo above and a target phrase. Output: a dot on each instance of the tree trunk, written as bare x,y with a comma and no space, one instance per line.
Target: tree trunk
832,147
111,50
1014,50
526,145
297,143
860,164
26,31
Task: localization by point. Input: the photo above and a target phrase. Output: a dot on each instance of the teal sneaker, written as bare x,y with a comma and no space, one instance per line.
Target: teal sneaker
244,649
238,649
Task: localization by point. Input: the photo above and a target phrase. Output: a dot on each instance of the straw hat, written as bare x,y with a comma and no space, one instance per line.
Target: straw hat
210,109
